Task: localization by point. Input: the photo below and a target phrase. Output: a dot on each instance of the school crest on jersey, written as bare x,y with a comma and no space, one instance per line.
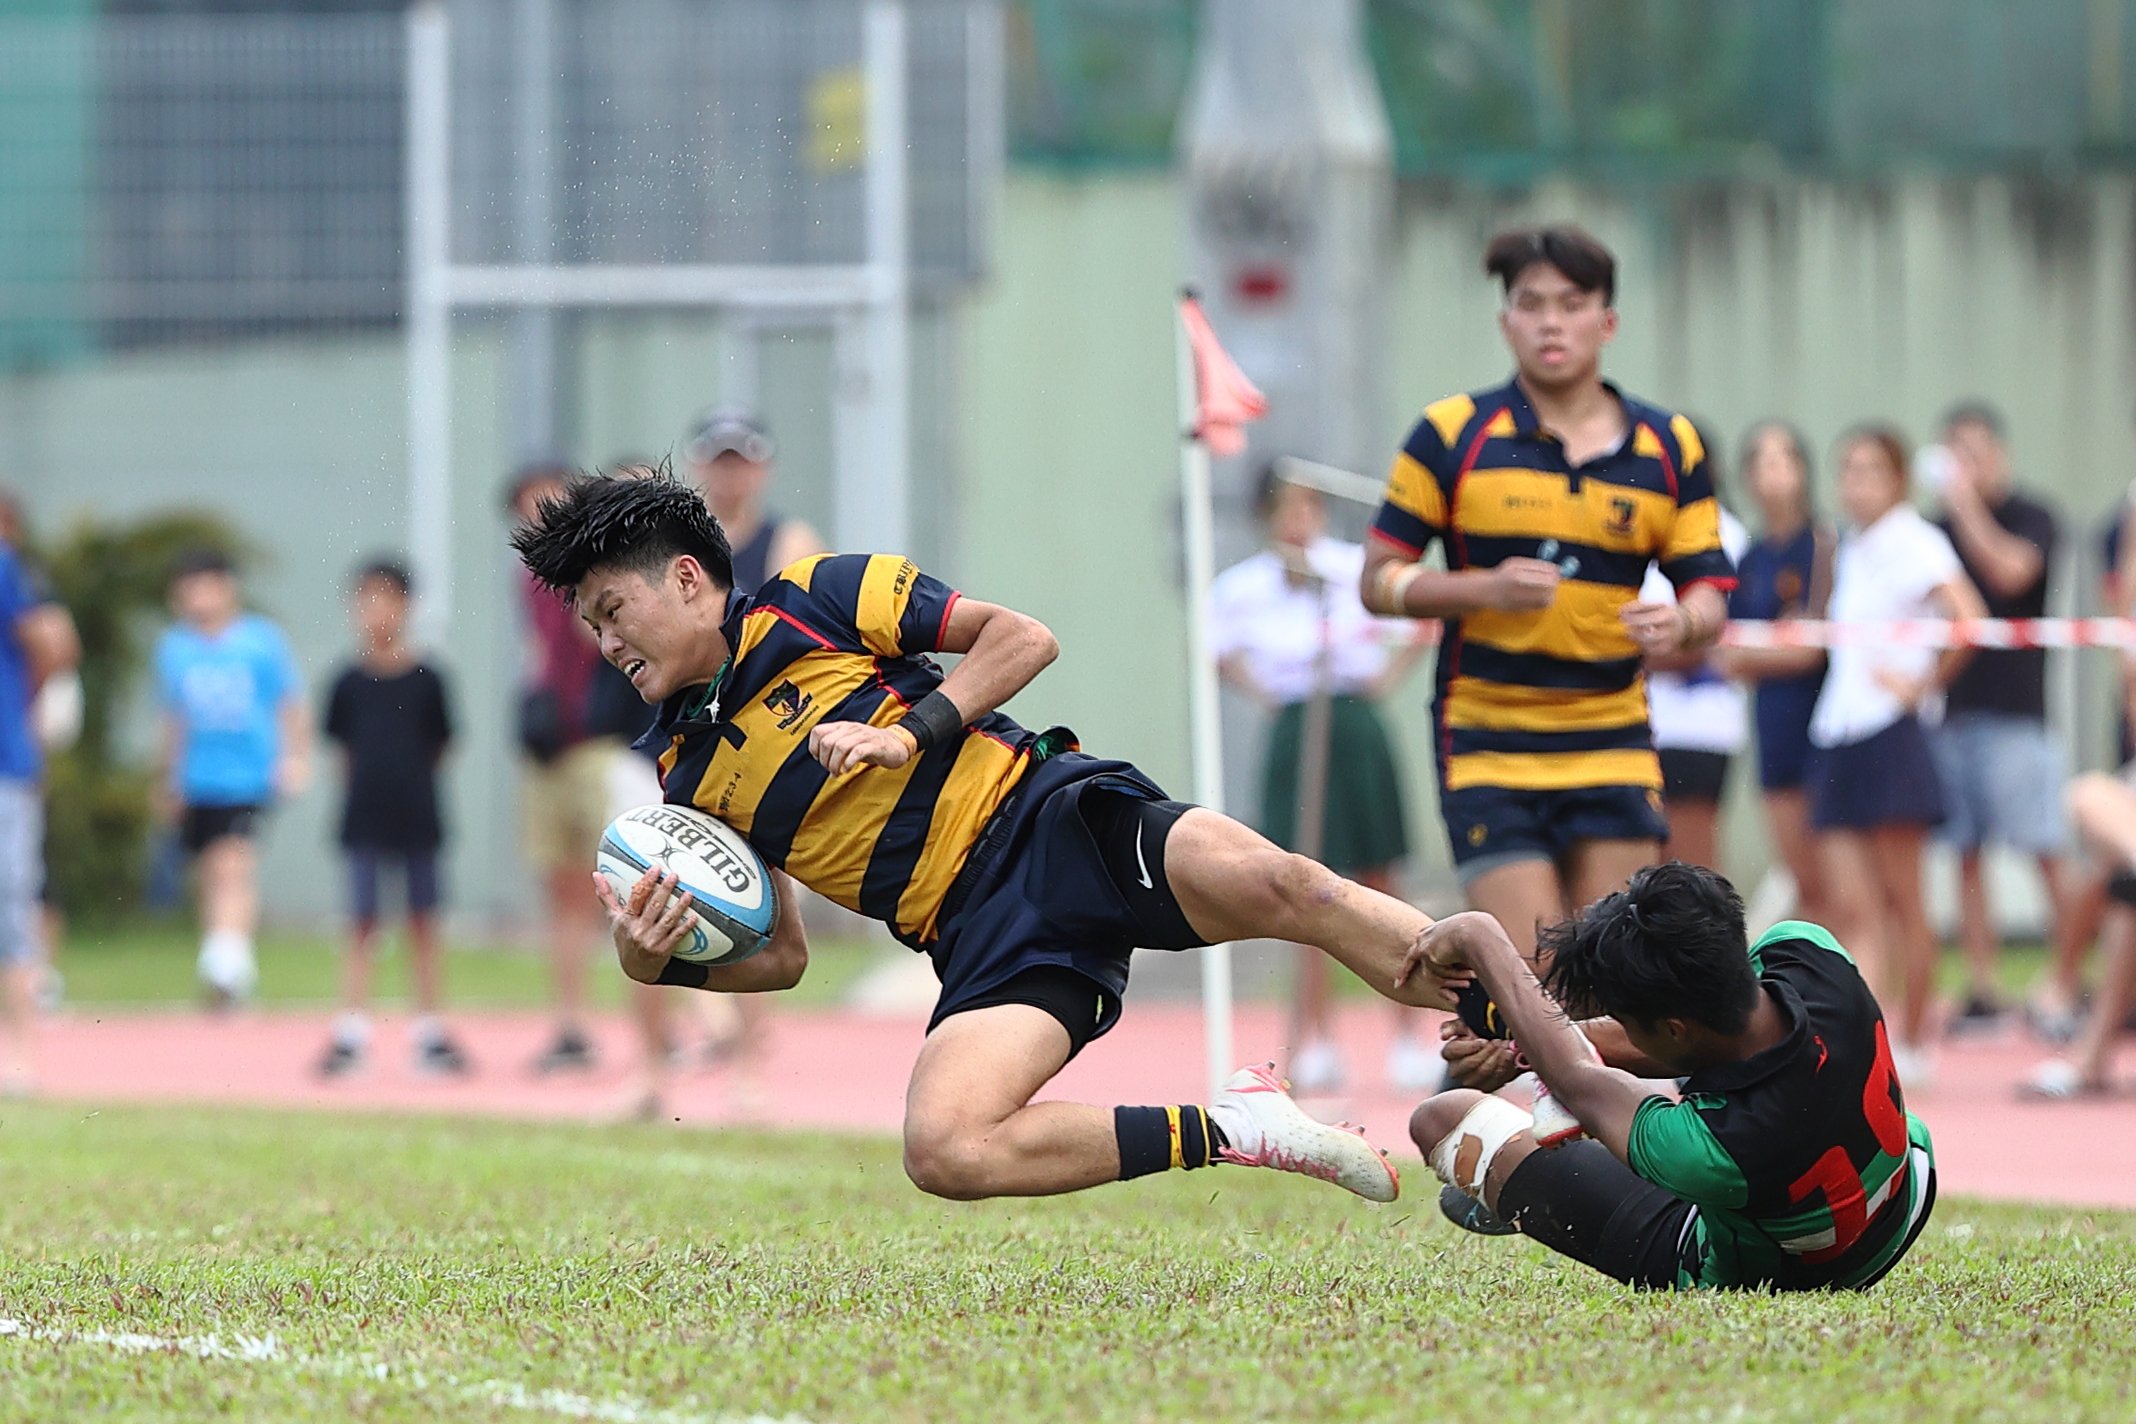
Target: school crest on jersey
788,703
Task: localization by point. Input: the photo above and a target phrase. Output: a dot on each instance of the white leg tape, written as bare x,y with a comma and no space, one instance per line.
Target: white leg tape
1463,1157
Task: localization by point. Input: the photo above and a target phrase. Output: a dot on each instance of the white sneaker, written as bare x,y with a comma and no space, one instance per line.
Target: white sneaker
1316,1069
1262,1127
1413,1066
227,967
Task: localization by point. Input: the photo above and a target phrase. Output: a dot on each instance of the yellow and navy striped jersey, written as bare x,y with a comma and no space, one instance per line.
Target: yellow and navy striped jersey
1551,699
840,637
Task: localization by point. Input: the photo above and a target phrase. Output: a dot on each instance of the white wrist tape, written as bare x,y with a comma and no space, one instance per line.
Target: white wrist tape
1463,1157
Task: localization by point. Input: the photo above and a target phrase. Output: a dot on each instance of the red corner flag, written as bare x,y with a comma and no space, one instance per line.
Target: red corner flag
1224,400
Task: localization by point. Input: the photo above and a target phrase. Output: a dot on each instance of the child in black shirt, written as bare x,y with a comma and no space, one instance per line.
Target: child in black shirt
390,715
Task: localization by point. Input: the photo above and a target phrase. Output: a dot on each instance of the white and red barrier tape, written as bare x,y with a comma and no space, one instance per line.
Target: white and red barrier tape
1938,633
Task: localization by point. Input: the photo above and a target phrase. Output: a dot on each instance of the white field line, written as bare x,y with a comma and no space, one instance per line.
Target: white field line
265,1349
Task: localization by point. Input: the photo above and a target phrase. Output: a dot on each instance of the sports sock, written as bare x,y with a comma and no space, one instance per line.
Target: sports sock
1156,1139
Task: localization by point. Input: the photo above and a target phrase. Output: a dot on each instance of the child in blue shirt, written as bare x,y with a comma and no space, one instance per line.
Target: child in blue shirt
236,738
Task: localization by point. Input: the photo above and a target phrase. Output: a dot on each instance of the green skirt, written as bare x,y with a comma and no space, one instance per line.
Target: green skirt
1364,827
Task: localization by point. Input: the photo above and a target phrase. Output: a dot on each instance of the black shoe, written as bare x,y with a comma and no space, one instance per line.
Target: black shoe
571,1053
339,1060
442,1058
1979,1015
1470,1214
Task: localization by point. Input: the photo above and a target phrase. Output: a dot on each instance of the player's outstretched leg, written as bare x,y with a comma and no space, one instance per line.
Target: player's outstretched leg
972,1131
1233,883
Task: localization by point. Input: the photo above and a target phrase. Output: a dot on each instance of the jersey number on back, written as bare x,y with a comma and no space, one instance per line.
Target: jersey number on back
1845,1194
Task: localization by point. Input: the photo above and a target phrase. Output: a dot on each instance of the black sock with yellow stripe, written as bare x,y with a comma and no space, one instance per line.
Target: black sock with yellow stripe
1157,1139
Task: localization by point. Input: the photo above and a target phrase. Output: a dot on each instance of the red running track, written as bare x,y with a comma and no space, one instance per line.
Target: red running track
843,1071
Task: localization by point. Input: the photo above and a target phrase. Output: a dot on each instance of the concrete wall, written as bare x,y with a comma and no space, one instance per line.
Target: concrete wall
1046,450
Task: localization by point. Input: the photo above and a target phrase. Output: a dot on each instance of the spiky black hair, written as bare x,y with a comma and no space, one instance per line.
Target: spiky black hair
635,522
1671,945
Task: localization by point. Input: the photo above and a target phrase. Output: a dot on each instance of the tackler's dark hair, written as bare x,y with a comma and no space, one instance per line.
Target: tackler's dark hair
1671,945
1575,251
638,522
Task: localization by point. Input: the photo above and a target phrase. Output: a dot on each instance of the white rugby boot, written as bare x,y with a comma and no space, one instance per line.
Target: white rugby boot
1262,1127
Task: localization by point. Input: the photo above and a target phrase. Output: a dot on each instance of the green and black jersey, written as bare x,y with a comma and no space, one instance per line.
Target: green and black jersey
1804,1164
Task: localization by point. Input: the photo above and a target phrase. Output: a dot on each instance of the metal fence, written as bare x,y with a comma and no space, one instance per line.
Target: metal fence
177,177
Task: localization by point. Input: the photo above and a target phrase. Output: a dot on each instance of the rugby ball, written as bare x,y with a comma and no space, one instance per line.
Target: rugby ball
733,902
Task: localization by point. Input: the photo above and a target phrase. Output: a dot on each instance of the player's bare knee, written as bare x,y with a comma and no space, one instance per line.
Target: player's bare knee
946,1163
1438,1115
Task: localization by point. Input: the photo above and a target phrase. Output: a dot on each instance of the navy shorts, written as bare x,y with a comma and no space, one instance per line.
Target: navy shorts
1068,875
1493,826
1889,779
368,866
202,826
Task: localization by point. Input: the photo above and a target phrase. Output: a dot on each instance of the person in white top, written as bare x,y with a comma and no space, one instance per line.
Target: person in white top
1874,788
1283,623
1700,719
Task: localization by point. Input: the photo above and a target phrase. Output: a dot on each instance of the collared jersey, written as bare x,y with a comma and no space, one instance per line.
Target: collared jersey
840,638
1552,699
1806,1167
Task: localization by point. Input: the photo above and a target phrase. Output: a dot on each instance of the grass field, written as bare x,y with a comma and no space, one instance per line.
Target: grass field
182,1265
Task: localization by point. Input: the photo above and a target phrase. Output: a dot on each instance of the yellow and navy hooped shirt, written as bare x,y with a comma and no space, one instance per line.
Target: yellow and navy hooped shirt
1552,699
840,638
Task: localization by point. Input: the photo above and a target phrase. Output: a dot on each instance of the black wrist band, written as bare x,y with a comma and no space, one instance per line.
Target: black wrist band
684,974
933,718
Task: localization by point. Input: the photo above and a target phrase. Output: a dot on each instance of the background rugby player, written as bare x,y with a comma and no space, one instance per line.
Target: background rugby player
1552,494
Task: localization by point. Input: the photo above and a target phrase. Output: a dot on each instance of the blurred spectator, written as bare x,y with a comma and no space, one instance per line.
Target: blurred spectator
1281,621
731,455
37,640
236,738
1874,789
564,779
391,715
56,711
1786,573
2002,770
2104,808
1701,719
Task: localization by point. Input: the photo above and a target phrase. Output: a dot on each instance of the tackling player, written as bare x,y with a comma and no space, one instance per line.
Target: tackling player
810,718
1790,1161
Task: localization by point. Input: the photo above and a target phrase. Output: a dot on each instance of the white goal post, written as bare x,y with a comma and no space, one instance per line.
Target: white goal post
866,303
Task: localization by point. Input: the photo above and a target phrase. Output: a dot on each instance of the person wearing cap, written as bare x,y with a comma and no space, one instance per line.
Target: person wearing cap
236,739
731,456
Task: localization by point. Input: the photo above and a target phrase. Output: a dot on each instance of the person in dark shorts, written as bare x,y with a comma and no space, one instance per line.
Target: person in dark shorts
1788,1163
1552,495
1785,574
236,739
390,714
811,718
1874,789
